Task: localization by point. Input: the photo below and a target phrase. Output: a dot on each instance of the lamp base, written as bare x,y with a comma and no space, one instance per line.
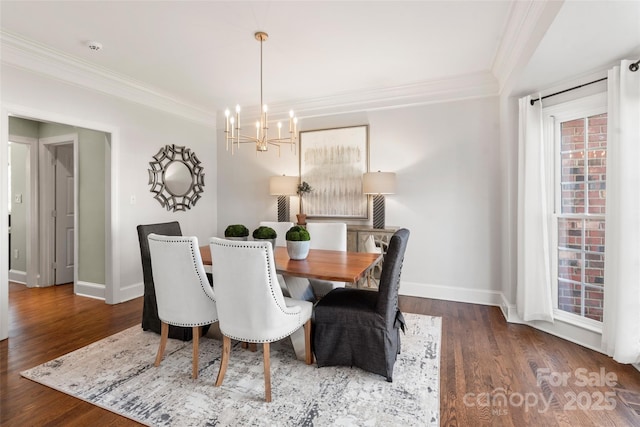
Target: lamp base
378,211
283,209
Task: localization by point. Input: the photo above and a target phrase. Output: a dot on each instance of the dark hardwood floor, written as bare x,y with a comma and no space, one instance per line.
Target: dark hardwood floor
482,359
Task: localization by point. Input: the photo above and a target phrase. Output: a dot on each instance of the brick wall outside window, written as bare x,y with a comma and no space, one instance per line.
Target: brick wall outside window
581,226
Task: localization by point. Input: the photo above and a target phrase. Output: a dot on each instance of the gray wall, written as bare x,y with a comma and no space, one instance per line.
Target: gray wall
19,153
136,132
447,160
92,152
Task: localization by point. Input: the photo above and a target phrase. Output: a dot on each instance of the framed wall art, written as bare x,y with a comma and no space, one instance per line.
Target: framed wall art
332,162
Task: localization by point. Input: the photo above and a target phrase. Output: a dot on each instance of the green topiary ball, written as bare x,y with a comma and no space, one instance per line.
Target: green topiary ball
264,232
236,230
298,234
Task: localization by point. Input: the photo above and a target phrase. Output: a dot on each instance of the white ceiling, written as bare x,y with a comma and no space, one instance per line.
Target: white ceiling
203,53
585,37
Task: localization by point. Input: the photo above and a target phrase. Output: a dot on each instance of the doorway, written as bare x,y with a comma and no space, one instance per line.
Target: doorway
23,210
63,214
55,224
58,207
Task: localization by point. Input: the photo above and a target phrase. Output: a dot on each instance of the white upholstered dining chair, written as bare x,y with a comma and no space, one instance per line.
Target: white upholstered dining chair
251,307
324,235
184,295
281,229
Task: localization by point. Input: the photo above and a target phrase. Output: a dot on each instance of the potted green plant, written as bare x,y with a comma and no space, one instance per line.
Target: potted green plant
236,232
298,241
303,188
266,233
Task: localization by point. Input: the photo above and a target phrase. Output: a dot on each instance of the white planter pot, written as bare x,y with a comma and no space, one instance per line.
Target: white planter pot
272,241
244,239
298,250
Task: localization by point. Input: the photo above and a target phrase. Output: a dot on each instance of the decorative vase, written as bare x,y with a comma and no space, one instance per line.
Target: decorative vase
302,219
272,241
298,249
244,238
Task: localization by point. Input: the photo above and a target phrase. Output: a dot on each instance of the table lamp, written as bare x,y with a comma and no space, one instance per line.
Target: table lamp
378,184
283,187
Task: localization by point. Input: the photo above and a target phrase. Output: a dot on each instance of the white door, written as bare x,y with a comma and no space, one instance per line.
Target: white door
64,216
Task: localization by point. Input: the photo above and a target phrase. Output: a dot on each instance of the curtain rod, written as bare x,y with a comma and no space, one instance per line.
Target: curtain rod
567,90
633,67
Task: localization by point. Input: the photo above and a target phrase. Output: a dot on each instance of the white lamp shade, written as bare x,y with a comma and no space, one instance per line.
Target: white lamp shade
283,185
379,183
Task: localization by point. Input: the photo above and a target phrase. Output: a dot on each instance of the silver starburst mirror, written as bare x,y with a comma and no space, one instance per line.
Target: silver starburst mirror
176,178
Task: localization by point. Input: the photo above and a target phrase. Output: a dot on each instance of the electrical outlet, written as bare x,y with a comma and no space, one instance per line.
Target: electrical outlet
18,198
16,253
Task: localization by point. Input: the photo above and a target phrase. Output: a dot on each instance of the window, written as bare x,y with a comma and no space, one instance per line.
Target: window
579,189
581,227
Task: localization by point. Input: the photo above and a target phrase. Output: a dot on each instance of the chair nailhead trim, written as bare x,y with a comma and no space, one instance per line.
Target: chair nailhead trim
189,241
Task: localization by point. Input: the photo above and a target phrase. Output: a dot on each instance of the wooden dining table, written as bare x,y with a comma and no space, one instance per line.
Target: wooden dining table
338,266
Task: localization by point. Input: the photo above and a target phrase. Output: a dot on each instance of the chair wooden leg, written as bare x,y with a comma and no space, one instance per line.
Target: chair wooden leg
224,361
267,372
196,346
164,335
250,345
308,355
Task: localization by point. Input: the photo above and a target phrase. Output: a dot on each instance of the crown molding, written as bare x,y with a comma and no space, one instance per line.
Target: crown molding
469,86
34,57
28,55
527,23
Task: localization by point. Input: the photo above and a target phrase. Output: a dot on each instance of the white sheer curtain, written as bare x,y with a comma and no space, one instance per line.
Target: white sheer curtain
533,299
621,323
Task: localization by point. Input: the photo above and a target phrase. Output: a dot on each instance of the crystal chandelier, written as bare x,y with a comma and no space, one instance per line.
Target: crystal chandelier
262,138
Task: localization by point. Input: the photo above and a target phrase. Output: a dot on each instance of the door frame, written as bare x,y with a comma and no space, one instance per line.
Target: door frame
47,205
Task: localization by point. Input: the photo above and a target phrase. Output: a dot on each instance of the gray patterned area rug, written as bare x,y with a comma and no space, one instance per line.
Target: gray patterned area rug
117,374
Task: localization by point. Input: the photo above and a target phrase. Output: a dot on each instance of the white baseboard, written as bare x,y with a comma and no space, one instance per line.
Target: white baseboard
509,311
574,333
97,290
131,292
18,276
451,293
91,290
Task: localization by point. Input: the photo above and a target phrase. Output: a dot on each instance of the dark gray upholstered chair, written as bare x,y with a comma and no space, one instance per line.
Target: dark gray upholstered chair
150,319
358,327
